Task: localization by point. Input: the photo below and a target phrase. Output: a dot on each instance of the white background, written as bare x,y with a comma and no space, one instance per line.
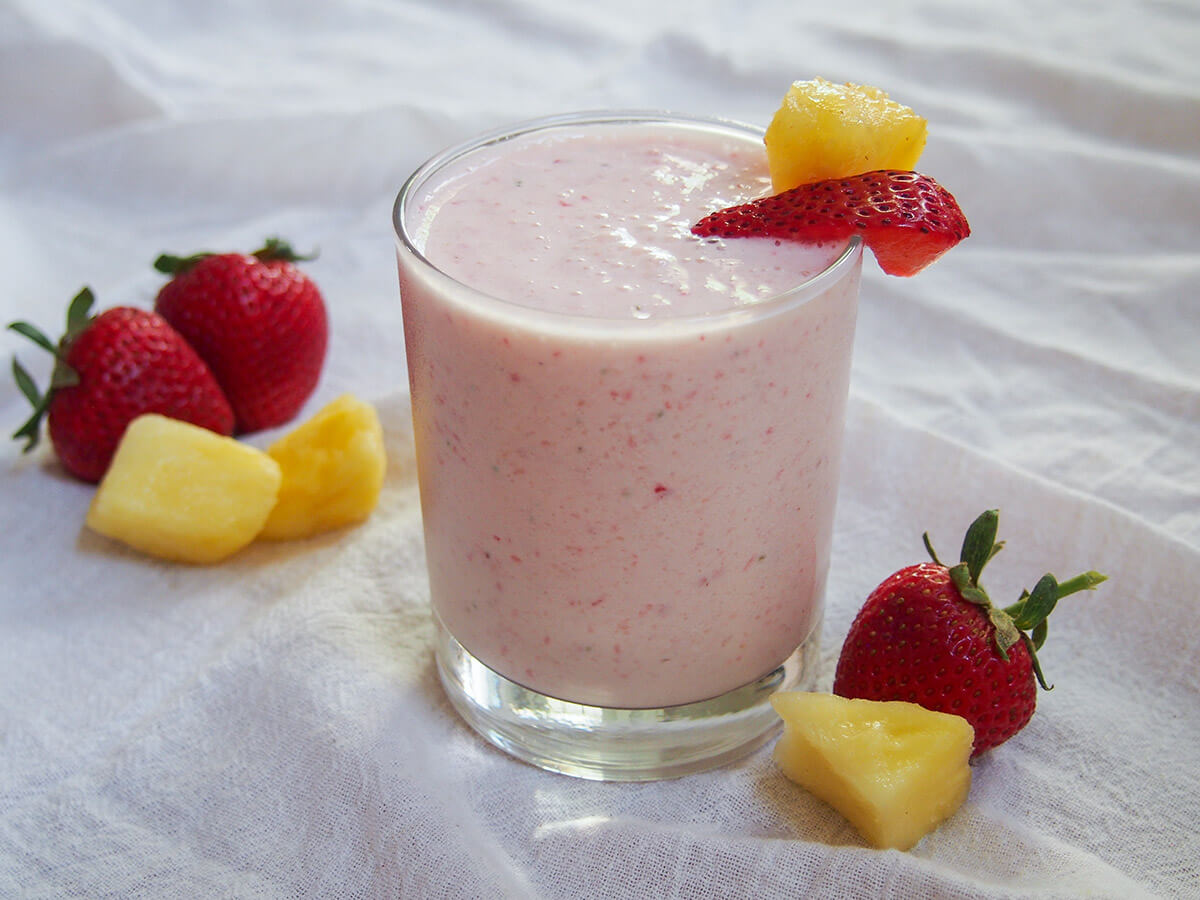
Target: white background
273,728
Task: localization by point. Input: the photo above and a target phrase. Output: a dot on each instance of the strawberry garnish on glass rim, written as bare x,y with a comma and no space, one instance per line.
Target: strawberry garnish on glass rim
907,219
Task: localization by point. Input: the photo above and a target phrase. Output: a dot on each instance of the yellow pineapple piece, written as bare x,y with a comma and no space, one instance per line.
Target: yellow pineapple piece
895,770
181,492
333,467
825,130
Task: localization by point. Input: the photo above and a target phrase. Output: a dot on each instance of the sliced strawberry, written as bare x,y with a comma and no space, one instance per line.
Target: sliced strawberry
906,218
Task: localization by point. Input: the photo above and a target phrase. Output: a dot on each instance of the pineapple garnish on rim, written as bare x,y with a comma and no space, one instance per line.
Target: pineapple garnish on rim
824,130
842,162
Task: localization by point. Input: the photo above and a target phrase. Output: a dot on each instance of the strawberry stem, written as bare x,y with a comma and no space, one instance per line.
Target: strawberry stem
1086,581
1031,612
169,264
929,549
1046,593
1025,620
277,248
78,318
273,248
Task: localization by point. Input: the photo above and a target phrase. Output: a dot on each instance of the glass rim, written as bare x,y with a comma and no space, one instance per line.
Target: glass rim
786,299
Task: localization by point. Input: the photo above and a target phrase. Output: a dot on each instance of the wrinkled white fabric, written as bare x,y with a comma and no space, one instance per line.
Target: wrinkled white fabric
272,727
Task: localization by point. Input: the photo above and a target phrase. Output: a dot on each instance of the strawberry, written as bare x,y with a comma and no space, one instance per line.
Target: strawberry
258,321
109,369
929,635
907,219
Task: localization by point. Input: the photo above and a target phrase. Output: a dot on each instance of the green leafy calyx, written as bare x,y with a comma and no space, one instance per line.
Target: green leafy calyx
273,248
79,317
1024,620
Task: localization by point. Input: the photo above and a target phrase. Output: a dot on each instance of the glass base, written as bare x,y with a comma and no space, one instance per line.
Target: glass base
606,744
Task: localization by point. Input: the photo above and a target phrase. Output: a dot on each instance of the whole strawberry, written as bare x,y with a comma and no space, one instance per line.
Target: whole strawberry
907,219
257,320
109,369
929,635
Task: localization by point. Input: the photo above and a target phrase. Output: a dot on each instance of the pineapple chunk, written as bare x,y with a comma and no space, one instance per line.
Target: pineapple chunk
333,467
896,770
182,492
824,130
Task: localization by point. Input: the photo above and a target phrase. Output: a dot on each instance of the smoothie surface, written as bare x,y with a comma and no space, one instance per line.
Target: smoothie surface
595,220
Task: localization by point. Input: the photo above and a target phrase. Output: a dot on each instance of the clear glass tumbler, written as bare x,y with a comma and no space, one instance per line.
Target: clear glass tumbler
619,585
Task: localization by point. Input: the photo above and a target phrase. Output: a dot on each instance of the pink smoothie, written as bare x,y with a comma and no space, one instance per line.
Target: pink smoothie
627,439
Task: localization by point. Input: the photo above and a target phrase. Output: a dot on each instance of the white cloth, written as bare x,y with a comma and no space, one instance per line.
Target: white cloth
273,727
